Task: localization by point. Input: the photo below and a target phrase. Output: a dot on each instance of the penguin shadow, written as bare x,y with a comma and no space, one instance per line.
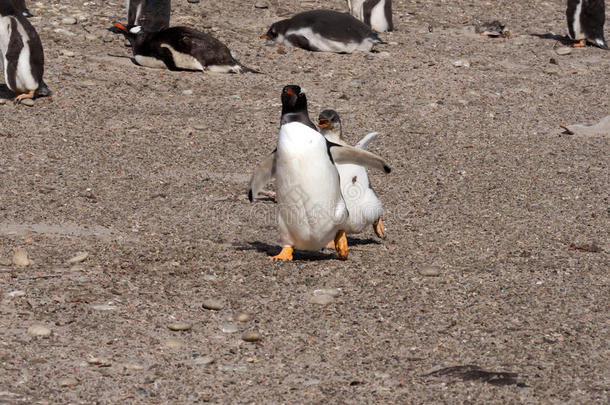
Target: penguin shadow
272,250
562,39
351,241
5,92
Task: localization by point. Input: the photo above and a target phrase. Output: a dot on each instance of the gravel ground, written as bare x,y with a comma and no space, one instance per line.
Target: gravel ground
498,223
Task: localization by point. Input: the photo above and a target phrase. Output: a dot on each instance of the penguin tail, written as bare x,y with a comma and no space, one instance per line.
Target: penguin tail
245,69
42,91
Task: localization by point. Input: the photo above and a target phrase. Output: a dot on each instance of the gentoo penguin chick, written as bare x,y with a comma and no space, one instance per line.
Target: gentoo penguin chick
22,54
21,8
586,20
362,203
151,15
181,48
377,14
323,31
311,210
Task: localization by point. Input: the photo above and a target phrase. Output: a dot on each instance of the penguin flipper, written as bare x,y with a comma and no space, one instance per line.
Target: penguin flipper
366,140
262,176
348,154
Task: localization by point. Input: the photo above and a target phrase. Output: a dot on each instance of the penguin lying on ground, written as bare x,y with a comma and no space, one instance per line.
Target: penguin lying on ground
323,31
21,8
181,48
22,54
151,15
377,14
586,20
364,207
311,210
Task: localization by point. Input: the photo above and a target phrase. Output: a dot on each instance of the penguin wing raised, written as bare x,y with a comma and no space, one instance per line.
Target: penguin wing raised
366,139
262,176
348,154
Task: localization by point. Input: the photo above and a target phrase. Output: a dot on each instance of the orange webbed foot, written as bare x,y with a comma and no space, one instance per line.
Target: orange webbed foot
341,245
284,255
379,229
579,44
23,96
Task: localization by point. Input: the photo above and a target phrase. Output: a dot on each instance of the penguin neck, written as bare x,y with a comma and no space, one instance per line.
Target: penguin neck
298,113
333,135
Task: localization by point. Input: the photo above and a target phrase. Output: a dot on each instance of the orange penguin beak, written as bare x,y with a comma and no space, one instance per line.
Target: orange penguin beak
289,91
265,36
323,122
119,26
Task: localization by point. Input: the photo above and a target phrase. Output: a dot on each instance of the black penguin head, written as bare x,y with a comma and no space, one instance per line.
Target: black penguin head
272,32
133,34
294,106
330,124
7,8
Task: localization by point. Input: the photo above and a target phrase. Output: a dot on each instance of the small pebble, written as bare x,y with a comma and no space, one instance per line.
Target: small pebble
67,382
179,326
213,304
242,317
98,361
103,307
80,257
173,343
187,92
229,328
16,293
461,63
90,37
63,31
39,330
88,83
430,271
65,52
20,257
27,102
204,360
321,299
251,336
333,292
68,21
261,4
2,101
193,1
563,50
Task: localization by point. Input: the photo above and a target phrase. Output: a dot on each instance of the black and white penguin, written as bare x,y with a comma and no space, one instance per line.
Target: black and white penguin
181,48
21,8
377,14
586,20
151,15
323,31
22,54
363,205
311,209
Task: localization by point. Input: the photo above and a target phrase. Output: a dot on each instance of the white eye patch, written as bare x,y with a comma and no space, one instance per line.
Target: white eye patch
136,30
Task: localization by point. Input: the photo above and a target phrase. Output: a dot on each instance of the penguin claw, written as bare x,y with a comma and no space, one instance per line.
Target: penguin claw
23,96
284,255
379,230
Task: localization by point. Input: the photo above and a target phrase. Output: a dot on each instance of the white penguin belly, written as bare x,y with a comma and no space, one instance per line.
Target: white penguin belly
324,44
310,207
149,61
183,60
378,20
362,204
24,80
578,32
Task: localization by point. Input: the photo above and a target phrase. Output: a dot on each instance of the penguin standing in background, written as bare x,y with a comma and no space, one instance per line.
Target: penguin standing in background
181,48
364,207
586,20
323,31
22,54
377,14
151,15
21,8
311,209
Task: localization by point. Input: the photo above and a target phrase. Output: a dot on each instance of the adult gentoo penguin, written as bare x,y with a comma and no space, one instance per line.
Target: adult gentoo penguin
586,20
311,210
364,207
151,15
323,31
22,54
377,14
21,8
181,48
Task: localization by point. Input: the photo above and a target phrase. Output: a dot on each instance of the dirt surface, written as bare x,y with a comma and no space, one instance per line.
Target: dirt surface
497,250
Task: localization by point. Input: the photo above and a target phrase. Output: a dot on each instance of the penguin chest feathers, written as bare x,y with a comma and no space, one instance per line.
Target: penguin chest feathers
16,56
